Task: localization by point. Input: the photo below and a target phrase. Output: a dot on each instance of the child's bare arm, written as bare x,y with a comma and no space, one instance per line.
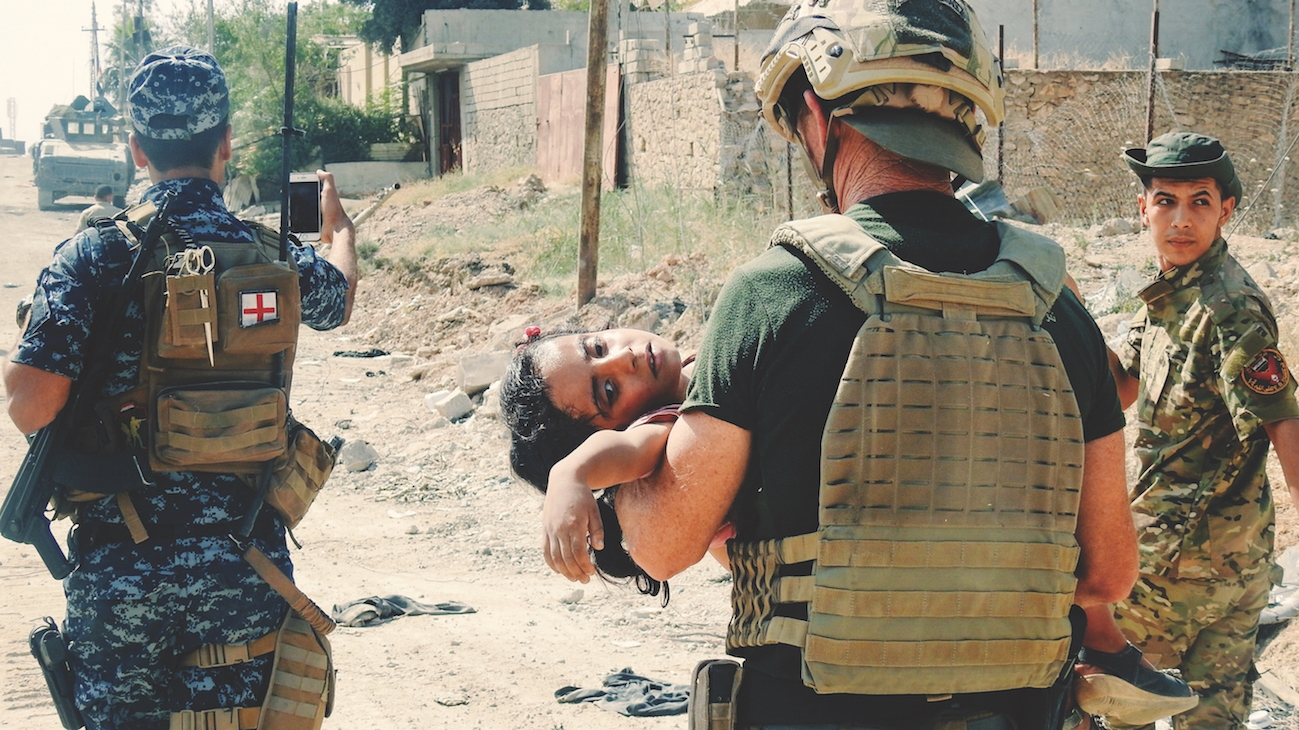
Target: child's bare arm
609,458
570,518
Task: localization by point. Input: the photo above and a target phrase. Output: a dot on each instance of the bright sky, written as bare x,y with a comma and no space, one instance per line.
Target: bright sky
45,54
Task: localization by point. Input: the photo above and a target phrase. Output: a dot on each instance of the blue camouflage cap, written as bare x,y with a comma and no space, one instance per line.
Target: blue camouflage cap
177,93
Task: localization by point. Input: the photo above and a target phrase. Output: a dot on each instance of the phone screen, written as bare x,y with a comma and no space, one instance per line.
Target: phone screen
304,208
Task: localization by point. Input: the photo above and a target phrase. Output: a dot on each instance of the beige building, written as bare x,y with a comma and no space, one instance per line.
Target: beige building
365,73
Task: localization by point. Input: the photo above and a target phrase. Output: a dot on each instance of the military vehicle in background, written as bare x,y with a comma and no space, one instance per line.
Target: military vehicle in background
84,146
13,146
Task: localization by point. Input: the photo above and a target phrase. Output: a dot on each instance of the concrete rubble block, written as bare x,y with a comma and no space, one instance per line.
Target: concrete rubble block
474,373
450,404
491,406
356,455
1114,227
489,278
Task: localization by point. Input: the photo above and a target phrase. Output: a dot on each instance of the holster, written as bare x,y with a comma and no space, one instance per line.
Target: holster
51,653
713,688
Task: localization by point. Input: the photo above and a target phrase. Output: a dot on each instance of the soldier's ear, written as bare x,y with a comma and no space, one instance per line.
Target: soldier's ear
1228,206
137,153
225,149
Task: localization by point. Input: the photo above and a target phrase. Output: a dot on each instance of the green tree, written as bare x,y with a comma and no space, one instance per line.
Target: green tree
250,46
393,20
130,39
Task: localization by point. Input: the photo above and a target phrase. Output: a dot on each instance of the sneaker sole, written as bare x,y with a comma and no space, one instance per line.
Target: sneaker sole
1113,698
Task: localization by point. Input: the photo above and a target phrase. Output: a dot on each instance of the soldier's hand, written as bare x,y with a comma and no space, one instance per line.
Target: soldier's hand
570,521
333,219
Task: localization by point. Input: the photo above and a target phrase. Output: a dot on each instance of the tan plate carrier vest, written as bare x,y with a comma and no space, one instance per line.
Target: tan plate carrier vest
951,465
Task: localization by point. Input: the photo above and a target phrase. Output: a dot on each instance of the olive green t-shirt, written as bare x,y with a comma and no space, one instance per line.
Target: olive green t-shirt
779,337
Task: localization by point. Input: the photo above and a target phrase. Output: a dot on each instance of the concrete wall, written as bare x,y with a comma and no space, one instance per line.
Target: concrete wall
503,31
363,178
1087,34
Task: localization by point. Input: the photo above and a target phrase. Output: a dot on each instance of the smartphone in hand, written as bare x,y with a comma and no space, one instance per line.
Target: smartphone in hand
304,205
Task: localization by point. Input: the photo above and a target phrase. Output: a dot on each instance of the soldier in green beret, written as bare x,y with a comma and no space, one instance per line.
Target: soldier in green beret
1212,390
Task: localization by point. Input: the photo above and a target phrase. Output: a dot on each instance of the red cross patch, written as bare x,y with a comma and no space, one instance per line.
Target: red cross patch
257,307
1268,373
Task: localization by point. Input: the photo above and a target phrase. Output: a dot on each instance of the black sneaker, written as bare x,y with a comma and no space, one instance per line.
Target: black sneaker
1129,692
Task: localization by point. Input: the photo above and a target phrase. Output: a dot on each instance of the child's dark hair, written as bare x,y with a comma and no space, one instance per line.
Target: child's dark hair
541,434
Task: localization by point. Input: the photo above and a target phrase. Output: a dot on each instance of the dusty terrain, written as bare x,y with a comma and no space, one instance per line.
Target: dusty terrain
438,517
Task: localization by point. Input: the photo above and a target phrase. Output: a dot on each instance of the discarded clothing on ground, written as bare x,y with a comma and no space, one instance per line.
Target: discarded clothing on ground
377,610
628,693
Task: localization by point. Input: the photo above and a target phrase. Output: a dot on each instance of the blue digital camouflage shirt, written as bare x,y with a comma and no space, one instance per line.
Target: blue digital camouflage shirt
72,290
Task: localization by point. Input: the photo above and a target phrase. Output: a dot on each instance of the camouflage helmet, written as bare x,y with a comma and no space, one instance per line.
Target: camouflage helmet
876,46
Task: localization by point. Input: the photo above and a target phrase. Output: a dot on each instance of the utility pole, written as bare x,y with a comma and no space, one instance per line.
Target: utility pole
735,66
121,60
211,29
1289,56
588,247
12,108
94,51
1035,35
1151,79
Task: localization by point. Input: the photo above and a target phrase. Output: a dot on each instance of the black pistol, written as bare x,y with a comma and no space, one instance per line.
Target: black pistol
51,653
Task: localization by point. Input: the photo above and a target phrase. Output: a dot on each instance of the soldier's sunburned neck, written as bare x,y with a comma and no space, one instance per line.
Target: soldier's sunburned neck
864,169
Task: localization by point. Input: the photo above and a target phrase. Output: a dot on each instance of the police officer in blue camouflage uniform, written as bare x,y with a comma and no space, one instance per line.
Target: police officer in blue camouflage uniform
135,609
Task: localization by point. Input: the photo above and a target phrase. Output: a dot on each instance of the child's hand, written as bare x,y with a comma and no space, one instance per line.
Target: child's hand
568,517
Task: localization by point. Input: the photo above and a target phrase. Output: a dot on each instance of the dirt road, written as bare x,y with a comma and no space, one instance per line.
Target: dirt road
437,519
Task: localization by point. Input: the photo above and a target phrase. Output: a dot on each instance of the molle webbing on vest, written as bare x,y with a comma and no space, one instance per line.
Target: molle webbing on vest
302,680
951,470
228,414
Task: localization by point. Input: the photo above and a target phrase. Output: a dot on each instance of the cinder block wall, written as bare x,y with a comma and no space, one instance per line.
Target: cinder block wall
499,102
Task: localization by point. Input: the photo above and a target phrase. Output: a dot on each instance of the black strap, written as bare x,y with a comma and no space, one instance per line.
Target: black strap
90,535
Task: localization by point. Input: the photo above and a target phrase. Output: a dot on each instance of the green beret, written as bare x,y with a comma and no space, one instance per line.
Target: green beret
1185,156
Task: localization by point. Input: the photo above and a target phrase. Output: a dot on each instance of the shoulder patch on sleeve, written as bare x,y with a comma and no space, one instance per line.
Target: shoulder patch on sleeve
1267,373
1246,350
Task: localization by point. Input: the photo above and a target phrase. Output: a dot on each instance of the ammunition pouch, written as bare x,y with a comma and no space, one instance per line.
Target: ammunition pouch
298,476
301,692
222,425
713,689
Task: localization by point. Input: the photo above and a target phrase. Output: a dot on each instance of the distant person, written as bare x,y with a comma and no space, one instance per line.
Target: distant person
1212,390
103,208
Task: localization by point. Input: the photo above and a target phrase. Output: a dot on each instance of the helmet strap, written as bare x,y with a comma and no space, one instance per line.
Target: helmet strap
826,195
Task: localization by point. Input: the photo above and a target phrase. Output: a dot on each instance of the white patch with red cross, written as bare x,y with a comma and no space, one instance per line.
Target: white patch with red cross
257,307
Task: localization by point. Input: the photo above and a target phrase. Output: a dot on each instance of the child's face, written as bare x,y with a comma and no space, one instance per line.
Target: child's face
612,377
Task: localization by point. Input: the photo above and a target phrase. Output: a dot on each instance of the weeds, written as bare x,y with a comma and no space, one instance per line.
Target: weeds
638,227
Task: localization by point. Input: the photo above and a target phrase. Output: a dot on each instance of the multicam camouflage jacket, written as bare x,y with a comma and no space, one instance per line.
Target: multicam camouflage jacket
1205,348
